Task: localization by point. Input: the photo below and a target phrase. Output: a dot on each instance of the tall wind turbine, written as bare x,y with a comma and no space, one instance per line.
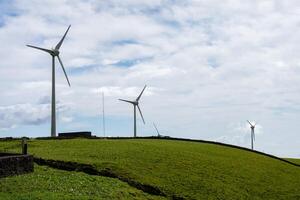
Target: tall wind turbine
135,104
252,133
158,135
54,52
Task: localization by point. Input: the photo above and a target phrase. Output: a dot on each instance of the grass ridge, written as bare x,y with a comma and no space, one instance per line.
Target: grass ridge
164,138
223,144
179,139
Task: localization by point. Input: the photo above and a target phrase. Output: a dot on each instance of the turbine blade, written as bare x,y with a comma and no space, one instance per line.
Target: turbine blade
126,101
249,123
62,39
253,136
141,113
39,48
156,128
62,66
138,98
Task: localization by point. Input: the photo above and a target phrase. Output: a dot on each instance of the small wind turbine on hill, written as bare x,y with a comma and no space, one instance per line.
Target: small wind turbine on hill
158,135
54,53
252,133
135,104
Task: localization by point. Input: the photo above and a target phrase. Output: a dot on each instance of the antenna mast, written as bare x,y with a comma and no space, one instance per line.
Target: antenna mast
103,115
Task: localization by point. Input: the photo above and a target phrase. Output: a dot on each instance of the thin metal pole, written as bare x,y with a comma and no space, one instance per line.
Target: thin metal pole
53,107
103,114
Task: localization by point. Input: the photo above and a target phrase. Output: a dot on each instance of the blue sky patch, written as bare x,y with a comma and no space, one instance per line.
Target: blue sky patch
124,42
213,62
7,9
126,63
131,62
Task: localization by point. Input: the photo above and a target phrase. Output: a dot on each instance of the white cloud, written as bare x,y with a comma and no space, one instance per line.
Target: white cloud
66,119
23,114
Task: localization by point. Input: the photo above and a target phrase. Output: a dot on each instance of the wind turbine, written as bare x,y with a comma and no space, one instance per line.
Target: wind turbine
54,52
252,133
135,104
158,135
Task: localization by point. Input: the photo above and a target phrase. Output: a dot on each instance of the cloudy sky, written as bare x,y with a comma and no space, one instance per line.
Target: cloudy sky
209,65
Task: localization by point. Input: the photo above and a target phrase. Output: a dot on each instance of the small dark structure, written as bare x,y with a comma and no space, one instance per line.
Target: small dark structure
76,134
15,164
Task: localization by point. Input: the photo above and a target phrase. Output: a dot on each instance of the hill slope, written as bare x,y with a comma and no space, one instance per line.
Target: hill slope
190,170
47,184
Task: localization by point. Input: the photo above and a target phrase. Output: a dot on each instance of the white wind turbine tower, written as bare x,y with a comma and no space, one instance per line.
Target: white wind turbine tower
135,104
54,53
252,133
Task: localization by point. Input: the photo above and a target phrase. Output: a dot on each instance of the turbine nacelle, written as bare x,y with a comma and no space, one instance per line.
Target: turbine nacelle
54,52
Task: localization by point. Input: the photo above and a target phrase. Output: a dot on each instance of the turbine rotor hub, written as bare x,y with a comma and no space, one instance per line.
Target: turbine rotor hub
55,52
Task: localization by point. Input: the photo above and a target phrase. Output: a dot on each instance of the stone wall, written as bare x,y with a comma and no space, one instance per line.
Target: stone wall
76,134
14,164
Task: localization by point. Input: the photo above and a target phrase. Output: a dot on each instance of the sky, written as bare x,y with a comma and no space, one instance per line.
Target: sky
209,65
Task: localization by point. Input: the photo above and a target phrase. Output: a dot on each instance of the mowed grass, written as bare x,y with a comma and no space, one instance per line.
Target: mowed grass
186,169
46,183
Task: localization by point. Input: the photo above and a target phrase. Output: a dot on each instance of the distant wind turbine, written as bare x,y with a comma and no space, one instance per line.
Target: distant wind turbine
158,135
252,133
54,53
136,104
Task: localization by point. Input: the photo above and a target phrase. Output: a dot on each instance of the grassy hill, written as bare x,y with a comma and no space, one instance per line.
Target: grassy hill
181,169
46,183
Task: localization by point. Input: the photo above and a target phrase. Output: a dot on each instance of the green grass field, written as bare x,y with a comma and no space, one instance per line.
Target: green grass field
190,170
47,183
